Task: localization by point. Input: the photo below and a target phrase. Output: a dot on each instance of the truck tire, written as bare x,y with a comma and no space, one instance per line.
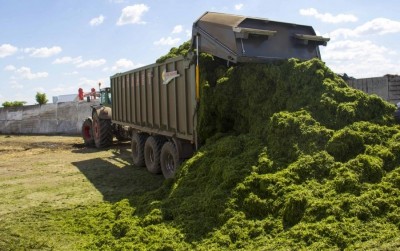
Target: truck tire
137,146
87,132
169,160
102,131
152,151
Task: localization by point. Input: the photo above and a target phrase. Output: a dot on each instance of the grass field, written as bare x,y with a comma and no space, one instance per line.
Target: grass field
46,180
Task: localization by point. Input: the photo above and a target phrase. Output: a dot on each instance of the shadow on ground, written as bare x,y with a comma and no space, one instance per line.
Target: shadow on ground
115,177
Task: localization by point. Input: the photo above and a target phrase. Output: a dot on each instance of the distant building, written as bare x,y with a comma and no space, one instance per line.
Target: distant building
65,98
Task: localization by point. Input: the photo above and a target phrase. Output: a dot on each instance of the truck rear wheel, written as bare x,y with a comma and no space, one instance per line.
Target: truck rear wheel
87,132
102,131
137,147
152,152
169,160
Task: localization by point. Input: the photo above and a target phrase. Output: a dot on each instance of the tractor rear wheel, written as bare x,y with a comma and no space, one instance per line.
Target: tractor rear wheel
137,147
102,131
87,132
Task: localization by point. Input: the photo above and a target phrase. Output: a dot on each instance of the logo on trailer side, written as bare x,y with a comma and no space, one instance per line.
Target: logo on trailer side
169,76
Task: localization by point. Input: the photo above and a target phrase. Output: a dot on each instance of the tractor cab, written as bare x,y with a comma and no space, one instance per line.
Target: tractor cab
105,96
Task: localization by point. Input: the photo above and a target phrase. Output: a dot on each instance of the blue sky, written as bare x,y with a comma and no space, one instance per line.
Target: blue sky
58,46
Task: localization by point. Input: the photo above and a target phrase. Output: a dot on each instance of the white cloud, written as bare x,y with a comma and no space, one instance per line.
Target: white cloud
328,17
15,85
177,29
167,41
26,73
43,52
71,73
238,6
59,90
87,82
352,50
133,14
377,26
67,60
360,58
10,68
40,89
92,63
97,20
7,50
342,32
122,64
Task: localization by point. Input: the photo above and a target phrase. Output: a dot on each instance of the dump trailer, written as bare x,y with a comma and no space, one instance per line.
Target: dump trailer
157,104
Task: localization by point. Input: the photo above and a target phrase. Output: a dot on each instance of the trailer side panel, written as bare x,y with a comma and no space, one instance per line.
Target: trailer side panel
158,98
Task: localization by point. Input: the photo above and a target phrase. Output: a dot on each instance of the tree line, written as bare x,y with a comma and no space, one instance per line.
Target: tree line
41,99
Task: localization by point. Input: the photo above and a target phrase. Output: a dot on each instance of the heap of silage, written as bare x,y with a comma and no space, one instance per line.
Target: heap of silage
292,159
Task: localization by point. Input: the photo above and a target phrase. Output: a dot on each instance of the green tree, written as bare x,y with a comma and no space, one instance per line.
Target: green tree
13,103
41,98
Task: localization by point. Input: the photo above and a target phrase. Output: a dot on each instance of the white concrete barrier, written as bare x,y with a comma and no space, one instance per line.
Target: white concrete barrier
61,118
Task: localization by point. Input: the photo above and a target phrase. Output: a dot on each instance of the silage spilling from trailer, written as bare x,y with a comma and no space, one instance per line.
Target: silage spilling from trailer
292,158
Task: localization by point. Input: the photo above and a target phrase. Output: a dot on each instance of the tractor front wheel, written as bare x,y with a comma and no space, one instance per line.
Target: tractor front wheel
102,131
87,132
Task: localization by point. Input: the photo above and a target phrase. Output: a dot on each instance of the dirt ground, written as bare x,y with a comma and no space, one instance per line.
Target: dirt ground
50,173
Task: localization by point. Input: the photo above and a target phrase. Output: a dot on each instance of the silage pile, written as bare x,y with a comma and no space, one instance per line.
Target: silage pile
292,159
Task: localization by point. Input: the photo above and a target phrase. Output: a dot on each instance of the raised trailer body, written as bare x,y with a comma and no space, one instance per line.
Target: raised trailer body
157,104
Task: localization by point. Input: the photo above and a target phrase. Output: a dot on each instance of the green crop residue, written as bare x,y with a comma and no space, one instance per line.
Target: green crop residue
291,159
174,52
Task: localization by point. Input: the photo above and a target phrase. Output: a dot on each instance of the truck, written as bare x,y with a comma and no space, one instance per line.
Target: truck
156,106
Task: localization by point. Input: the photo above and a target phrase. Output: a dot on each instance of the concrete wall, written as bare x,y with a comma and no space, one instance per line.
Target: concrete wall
378,86
61,118
386,87
394,88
